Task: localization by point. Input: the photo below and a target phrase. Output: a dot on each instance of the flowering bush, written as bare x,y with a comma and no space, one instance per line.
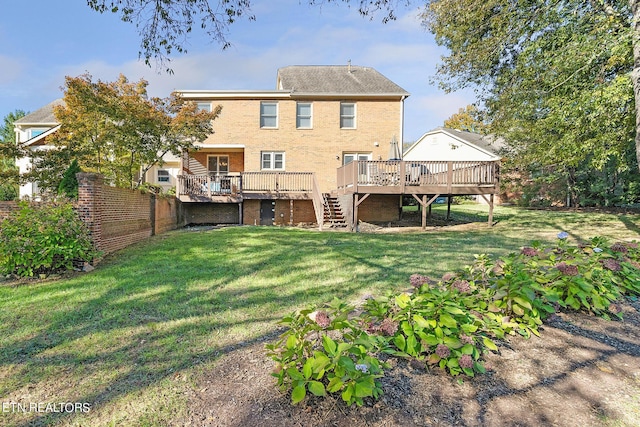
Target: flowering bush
450,323
43,237
309,359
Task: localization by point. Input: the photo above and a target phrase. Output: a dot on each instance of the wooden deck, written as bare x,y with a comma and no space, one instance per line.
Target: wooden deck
246,185
425,180
418,177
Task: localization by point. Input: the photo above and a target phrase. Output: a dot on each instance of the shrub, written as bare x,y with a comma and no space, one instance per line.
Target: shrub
41,238
68,187
452,322
310,359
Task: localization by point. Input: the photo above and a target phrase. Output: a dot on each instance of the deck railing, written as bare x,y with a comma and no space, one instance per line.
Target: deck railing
247,182
417,173
209,185
279,182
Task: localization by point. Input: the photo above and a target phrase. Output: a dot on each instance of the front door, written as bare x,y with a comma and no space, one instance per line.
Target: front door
267,212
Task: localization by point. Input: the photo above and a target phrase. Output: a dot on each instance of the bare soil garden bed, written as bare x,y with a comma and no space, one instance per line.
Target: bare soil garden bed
583,371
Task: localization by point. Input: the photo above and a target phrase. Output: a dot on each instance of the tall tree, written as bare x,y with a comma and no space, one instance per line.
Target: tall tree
556,75
9,151
115,129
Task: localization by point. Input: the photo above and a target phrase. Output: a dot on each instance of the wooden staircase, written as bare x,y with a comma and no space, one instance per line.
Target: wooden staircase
333,215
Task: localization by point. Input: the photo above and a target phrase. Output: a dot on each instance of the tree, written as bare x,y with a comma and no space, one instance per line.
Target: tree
69,184
113,128
467,119
570,67
165,25
8,154
556,76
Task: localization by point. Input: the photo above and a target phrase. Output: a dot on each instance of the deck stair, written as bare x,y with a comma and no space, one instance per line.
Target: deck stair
333,215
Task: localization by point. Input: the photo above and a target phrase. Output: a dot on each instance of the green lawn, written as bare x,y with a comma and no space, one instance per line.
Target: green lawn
132,336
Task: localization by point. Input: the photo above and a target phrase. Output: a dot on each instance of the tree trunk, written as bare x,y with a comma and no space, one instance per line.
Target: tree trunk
635,74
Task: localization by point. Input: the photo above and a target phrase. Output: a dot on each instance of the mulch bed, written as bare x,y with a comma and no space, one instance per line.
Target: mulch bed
583,371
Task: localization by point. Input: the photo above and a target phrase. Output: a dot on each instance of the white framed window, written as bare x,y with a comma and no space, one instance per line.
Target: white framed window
269,115
272,160
304,114
33,132
218,165
204,106
163,175
347,115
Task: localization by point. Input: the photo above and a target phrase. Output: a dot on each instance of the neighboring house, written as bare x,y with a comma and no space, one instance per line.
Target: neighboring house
274,153
32,131
454,145
461,148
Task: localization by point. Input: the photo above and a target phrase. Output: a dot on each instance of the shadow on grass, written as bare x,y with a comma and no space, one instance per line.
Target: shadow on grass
187,298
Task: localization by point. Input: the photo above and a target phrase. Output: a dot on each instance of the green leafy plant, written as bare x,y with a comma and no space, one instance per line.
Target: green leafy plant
450,323
68,187
43,237
310,360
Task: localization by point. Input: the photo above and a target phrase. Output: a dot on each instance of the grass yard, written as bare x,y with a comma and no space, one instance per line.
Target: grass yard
133,336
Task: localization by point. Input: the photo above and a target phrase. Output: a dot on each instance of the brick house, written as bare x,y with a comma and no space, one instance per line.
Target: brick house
322,148
274,154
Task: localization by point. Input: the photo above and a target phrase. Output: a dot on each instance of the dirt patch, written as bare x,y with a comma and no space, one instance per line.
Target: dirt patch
584,371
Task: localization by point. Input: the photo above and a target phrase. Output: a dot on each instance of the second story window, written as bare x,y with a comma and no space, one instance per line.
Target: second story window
269,115
33,132
272,160
205,106
347,115
303,115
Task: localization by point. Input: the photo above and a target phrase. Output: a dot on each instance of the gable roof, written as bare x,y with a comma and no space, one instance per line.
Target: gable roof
336,80
487,143
42,116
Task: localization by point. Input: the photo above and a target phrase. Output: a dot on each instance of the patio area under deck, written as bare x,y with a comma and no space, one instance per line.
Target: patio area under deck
424,180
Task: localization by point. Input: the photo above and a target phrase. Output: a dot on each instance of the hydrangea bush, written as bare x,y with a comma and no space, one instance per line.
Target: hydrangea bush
43,238
451,322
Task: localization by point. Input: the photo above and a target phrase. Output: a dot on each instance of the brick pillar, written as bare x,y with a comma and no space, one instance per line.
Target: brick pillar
89,203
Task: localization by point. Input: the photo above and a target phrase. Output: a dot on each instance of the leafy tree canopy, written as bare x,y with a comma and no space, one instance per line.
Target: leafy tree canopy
560,78
115,129
556,76
467,118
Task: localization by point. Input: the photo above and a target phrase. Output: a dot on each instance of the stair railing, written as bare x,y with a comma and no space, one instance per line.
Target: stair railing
318,202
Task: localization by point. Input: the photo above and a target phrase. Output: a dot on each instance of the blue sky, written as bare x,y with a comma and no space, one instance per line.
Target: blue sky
42,41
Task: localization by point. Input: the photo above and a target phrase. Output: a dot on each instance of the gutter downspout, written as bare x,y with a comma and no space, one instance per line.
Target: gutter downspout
401,141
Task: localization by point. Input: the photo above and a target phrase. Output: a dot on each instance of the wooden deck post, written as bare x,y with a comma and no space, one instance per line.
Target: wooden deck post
491,210
490,202
424,211
449,197
425,204
356,203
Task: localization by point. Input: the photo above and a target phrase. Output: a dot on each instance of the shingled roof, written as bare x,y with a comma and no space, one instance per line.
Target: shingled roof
336,80
43,115
486,142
